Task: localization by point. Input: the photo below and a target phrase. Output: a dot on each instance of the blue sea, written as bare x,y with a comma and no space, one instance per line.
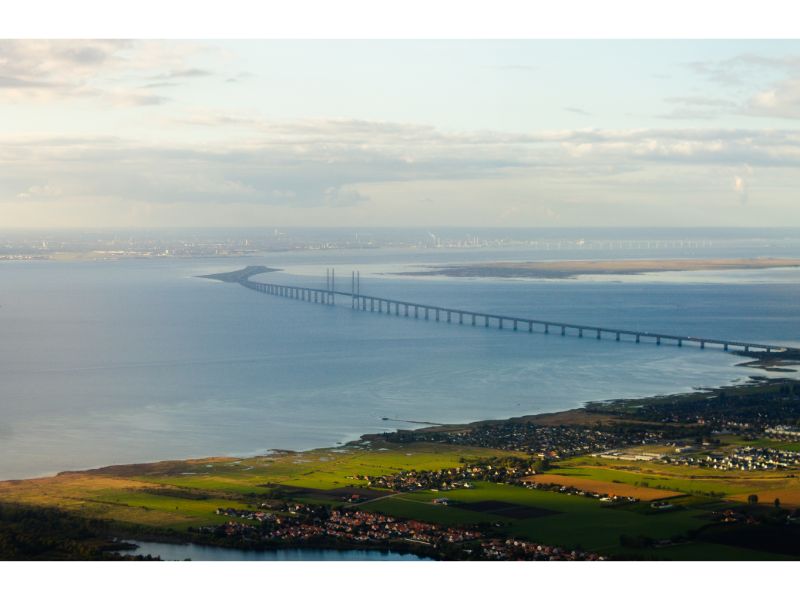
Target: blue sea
126,361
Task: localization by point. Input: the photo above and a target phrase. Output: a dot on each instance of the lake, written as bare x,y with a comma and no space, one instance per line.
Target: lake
195,552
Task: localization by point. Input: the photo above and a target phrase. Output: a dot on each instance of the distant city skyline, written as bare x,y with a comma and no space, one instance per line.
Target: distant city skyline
542,133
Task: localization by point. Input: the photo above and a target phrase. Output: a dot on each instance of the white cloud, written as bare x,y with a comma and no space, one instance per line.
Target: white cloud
328,172
317,163
765,86
107,71
783,101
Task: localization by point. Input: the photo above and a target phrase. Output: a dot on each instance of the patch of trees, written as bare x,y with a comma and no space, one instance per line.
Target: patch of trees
32,533
771,403
772,535
636,541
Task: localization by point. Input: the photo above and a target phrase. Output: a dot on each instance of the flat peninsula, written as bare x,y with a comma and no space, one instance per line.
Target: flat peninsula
240,275
566,269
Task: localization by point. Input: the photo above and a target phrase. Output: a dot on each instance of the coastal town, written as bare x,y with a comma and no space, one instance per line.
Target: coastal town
544,441
744,458
298,523
507,471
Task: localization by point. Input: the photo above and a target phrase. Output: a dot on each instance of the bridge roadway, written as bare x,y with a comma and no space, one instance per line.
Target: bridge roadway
426,311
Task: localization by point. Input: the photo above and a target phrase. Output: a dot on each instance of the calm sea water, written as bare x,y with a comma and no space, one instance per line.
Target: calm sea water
132,361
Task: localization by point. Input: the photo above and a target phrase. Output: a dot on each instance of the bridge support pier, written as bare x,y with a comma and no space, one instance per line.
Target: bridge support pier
658,341
416,312
702,345
680,343
580,332
473,320
637,338
460,318
426,314
486,321
563,330
725,347
515,324
598,334
437,314
500,323
530,326
618,336
547,329
448,316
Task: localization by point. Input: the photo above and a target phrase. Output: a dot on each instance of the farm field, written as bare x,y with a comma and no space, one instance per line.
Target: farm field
767,443
603,487
573,521
687,480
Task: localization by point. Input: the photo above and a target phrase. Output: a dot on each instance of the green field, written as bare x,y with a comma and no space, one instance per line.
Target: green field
685,479
577,522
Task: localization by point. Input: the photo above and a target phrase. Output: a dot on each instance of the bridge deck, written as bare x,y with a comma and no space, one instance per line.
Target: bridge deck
376,304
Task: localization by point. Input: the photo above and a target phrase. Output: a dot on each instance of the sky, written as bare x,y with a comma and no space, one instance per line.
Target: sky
118,133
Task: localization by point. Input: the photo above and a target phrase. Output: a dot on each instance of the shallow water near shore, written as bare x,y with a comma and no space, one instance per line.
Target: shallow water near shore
136,361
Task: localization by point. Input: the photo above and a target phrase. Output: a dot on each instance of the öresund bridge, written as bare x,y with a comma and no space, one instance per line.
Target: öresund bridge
401,308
